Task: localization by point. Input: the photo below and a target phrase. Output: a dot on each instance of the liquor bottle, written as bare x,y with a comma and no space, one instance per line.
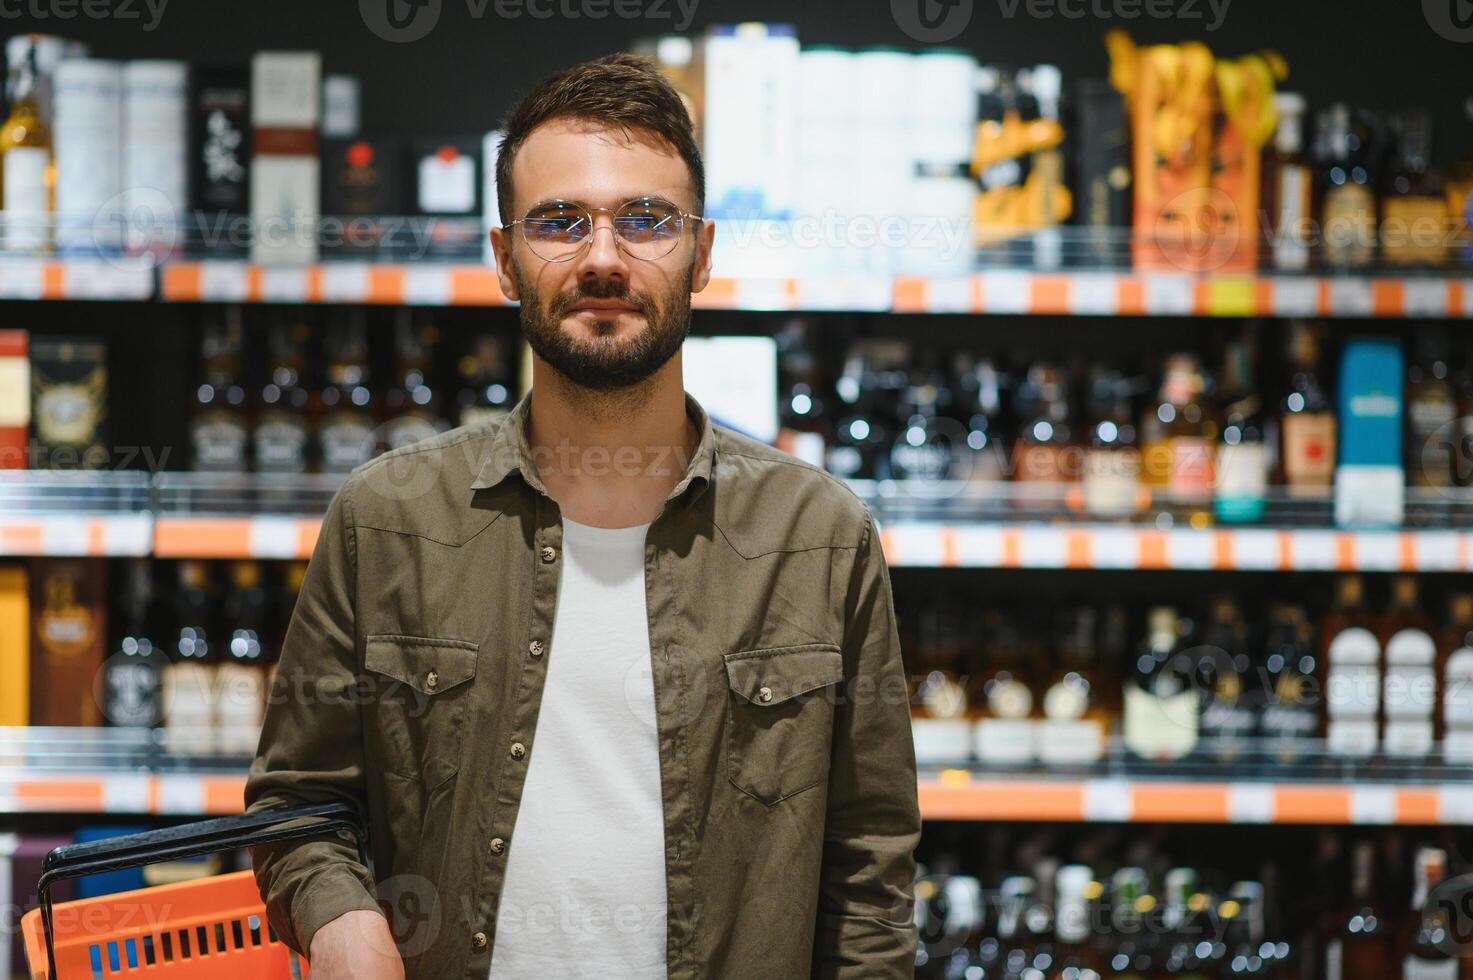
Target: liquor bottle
1125,951
999,692
1231,696
939,709
69,403
485,381
190,679
242,670
803,407
983,461
218,430
346,436
220,154
852,454
1347,202
1359,946
1038,916
1291,683
1162,705
1180,433
1242,457
412,404
1413,208
1046,454
133,676
25,154
1074,955
1289,186
955,916
1455,677
921,450
1112,461
1307,420
1431,415
1425,933
1014,898
1076,718
282,427
1186,922
1409,681
68,639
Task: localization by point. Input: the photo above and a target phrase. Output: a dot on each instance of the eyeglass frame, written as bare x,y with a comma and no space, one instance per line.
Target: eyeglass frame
593,213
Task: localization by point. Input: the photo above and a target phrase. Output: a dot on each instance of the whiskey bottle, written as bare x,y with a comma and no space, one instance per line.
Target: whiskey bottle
938,699
1455,675
412,405
1180,434
26,167
218,430
282,427
346,437
1162,704
1289,186
1347,202
242,671
486,389
1231,698
133,676
1291,684
1409,681
1075,716
921,450
982,462
1426,932
191,677
1075,956
1242,457
803,408
1112,461
1432,411
1414,211
1360,946
1307,420
999,693
1046,454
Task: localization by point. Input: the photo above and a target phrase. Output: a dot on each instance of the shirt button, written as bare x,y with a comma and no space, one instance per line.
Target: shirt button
535,648
518,750
432,680
549,555
479,940
497,845
764,694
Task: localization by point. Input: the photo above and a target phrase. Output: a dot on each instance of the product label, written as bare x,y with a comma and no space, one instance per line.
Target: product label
1291,241
346,443
1192,473
1111,481
1242,481
1158,727
281,447
1409,692
1354,737
220,444
1432,458
1415,968
25,198
1309,450
1413,229
447,183
1353,690
67,414
131,697
1349,225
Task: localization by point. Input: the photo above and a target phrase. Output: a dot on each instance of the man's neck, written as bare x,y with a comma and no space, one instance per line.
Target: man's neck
610,458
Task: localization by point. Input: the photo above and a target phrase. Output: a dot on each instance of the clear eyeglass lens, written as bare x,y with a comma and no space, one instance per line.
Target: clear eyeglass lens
648,229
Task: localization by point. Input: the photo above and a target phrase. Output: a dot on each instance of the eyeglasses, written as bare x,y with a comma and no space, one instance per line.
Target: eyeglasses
646,228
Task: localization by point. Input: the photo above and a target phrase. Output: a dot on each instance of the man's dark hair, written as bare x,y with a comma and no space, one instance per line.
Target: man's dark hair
621,91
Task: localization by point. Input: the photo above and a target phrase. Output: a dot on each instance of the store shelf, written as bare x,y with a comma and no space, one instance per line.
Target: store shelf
994,291
60,512
29,277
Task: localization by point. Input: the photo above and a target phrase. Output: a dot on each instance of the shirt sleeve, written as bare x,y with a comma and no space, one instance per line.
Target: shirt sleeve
865,926
311,748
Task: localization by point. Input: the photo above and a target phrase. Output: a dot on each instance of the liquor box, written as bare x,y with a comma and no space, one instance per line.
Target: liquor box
447,194
88,142
15,646
155,156
285,178
340,102
15,399
68,600
220,157
69,402
1370,482
751,99
362,181
1102,177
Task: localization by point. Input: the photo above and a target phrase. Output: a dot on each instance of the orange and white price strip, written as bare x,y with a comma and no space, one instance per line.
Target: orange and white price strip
182,794
111,535
32,278
235,537
416,284
957,794
920,544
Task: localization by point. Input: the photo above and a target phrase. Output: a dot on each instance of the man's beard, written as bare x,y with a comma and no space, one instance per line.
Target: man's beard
607,365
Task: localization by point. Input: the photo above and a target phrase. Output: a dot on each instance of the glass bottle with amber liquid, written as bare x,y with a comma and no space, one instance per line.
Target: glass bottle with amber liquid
1076,695
1414,212
1431,433
1180,433
346,436
412,405
1359,945
1046,453
283,431
133,676
27,174
1112,460
218,429
1306,420
1292,684
242,671
1347,200
191,678
486,388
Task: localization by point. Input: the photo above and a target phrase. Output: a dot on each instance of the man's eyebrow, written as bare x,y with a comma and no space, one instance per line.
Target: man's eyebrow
652,196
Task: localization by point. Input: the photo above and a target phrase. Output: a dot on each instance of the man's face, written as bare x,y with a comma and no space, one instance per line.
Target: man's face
604,319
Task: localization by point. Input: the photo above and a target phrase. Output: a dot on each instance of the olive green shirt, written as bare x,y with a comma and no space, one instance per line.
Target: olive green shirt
414,663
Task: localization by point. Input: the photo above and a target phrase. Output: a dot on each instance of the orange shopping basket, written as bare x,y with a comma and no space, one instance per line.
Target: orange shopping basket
211,928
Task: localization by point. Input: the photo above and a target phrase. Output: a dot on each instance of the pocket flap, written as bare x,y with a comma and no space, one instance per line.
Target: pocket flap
772,676
429,664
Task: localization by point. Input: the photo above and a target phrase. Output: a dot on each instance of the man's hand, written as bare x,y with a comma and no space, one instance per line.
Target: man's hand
356,945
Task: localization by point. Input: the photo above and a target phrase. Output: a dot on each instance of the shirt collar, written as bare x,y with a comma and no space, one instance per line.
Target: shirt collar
509,450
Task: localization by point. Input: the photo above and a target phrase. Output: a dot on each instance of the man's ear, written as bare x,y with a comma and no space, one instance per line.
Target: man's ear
501,241
705,238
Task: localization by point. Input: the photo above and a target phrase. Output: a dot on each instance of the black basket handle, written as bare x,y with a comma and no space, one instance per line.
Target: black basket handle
193,840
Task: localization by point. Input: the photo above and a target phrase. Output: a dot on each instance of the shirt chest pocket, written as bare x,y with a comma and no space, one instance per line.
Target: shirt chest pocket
419,695
779,726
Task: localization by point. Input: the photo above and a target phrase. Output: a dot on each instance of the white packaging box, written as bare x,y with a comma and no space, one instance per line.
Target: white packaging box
155,178
88,142
750,123
286,91
490,147
340,107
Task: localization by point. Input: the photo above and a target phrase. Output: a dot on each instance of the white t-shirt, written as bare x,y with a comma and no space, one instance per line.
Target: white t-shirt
584,893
